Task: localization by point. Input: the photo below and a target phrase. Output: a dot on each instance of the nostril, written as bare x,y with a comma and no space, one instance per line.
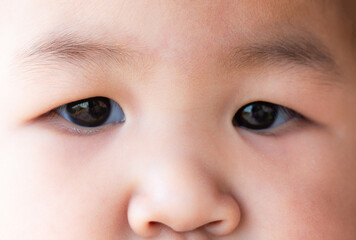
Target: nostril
152,224
140,216
215,223
154,227
221,227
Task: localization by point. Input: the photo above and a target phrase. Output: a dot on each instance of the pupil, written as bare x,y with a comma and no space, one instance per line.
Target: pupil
259,115
90,112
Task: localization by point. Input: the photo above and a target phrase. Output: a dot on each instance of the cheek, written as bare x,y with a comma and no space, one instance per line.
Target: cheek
315,210
50,185
299,188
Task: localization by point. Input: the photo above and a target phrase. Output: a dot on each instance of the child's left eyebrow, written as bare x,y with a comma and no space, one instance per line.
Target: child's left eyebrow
301,50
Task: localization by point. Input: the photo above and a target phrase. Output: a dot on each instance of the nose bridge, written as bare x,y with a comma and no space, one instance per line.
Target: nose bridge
180,145
178,158
184,127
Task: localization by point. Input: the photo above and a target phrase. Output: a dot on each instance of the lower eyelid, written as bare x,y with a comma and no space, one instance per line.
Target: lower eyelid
62,125
290,126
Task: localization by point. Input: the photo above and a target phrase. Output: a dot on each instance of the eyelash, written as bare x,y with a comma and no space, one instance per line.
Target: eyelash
60,118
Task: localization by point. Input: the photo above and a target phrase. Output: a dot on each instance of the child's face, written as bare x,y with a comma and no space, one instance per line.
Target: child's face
180,163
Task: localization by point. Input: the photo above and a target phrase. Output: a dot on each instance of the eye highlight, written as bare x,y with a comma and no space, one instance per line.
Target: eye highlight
263,116
92,112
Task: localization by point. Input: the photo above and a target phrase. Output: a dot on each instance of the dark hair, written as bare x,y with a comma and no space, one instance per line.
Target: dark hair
349,11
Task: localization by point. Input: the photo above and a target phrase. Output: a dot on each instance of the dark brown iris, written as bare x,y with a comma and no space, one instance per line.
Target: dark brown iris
91,112
257,115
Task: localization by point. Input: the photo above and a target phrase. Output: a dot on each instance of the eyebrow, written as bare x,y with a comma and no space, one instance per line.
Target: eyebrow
76,50
293,50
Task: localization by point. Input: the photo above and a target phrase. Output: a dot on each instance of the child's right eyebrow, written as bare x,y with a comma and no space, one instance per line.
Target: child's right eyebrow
303,50
75,49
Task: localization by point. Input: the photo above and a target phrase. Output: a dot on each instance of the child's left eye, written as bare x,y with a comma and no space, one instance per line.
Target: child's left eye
92,112
263,116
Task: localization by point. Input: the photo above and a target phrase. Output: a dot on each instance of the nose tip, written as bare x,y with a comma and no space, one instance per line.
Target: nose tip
218,216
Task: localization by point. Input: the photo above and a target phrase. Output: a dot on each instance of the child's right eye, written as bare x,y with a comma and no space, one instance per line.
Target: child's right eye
92,112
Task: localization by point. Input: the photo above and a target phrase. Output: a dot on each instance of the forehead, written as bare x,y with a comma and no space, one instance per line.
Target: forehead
161,24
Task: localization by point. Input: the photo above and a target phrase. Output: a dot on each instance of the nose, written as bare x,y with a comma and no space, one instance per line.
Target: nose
183,196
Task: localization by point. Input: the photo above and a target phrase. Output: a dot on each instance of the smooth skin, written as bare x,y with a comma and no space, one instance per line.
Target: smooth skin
177,168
